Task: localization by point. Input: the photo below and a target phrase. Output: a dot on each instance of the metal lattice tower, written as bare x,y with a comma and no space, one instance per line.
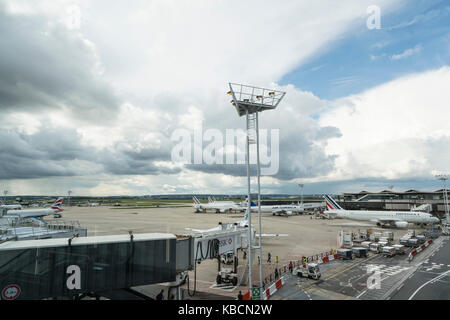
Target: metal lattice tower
444,178
68,194
301,185
249,101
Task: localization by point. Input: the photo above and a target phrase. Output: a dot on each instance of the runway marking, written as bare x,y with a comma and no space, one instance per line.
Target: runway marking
442,275
304,291
390,271
224,288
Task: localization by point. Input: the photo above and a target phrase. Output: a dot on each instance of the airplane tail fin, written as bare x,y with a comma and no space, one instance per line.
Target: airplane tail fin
244,220
331,204
196,201
252,204
57,204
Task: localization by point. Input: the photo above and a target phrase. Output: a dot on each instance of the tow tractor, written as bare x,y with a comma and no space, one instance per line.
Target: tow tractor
226,275
310,270
227,258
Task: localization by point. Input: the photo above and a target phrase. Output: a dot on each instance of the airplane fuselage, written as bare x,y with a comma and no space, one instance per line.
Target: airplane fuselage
406,216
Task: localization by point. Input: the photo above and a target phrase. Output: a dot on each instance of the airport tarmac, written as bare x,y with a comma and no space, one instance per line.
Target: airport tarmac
307,235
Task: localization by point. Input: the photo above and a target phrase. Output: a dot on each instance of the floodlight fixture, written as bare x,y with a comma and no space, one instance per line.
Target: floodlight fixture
253,99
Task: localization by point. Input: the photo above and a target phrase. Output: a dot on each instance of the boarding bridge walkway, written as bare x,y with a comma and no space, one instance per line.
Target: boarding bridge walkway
74,267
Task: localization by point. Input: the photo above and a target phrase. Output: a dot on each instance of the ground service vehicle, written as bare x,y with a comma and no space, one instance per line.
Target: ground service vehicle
413,242
310,270
227,258
366,244
375,247
226,275
388,251
345,254
399,248
360,252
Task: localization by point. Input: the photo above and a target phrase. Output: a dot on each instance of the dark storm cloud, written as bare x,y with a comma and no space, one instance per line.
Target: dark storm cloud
46,66
237,170
299,157
44,154
131,161
126,166
58,152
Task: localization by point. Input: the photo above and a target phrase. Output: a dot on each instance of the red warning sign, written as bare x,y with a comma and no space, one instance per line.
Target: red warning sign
10,292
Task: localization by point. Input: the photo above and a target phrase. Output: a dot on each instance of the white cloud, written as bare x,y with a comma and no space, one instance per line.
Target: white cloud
170,62
407,53
396,130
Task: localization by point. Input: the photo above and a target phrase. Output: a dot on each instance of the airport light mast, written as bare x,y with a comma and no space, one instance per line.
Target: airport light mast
249,101
5,192
69,193
301,185
444,178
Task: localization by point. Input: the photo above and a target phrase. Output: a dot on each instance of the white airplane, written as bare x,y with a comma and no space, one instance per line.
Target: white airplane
218,207
10,206
240,224
399,219
36,213
213,200
285,210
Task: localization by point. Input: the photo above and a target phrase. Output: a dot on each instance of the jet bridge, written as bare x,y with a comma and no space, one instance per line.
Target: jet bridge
210,245
37,269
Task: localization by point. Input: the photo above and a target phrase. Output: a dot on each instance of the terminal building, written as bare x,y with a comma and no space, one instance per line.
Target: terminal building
393,200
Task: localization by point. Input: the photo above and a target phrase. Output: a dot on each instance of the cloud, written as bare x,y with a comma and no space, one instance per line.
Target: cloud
50,68
396,130
84,96
407,53
47,153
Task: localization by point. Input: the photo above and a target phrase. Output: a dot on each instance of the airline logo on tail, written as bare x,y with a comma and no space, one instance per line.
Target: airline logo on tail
252,204
331,204
57,205
196,201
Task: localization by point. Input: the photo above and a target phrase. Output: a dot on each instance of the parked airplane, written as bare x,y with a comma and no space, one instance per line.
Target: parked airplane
10,206
240,224
399,219
37,213
285,210
213,200
218,207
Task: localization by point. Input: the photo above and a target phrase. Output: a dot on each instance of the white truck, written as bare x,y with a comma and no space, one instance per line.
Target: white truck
388,251
375,247
227,258
399,248
310,270
227,276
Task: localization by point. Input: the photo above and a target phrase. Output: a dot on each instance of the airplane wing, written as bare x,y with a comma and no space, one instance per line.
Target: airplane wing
272,235
204,230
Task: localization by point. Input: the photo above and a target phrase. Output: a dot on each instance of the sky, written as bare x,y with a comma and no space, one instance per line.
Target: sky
92,94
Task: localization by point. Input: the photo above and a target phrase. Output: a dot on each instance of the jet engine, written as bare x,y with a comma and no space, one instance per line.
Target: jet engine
401,224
